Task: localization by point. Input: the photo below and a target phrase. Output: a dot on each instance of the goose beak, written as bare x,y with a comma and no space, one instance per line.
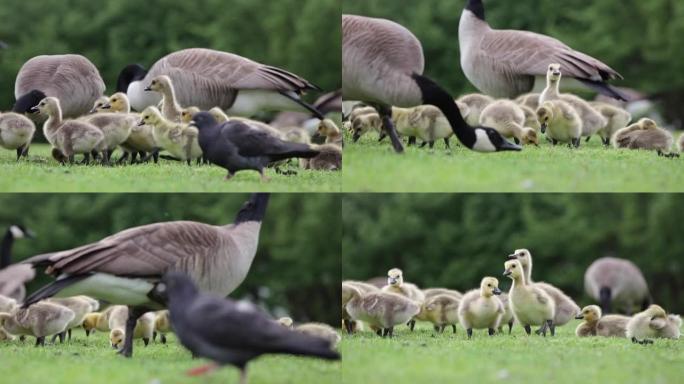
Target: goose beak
147,88
507,272
579,317
543,127
496,291
508,146
511,257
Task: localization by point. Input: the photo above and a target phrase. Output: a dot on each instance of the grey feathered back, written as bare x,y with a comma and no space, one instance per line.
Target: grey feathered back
73,79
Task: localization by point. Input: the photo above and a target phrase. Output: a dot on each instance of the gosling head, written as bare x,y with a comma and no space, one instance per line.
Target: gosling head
90,322
159,84
522,255
530,136
327,127
100,104
188,113
647,124
286,322
219,115
554,72
46,106
544,115
655,311
395,277
150,116
590,313
116,338
513,269
119,102
363,124
489,286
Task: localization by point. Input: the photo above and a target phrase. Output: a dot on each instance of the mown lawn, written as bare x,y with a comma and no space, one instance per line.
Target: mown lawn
43,174
92,360
373,166
425,357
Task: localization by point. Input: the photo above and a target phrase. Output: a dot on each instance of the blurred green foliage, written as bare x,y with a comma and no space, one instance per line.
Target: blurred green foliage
455,240
302,36
640,39
297,266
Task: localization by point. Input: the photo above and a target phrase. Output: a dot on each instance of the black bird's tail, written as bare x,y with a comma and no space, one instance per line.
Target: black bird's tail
289,150
604,298
52,289
604,89
304,345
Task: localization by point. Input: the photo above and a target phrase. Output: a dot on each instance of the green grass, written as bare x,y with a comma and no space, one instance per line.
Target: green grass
43,174
425,357
92,360
372,166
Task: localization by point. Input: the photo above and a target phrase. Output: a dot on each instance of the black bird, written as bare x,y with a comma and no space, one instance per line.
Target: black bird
230,332
236,146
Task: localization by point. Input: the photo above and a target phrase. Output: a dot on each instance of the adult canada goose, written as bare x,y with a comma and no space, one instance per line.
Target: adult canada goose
562,121
230,332
39,320
124,268
381,310
506,63
654,322
531,305
13,277
617,284
347,295
207,78
396,284
16,132
73,79
595,324
178,139
592,120
566,308
616,118
480,308
509,119
645,134
68,136
236,146
382,65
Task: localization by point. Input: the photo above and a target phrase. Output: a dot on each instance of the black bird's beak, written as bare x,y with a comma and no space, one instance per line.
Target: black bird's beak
579,317
147,88
511,257
496,291
543,127
34,109
507,272
508,146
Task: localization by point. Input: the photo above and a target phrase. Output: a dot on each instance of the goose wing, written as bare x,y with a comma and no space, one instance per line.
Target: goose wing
529,53
222,71
148,250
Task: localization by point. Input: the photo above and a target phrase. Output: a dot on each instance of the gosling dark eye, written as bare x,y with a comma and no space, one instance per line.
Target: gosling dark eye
489,285
513,266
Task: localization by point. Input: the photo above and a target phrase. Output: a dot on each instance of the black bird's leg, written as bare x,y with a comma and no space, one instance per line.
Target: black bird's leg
606,141
379,332
387,125
587,139
423,144
554,141
54,338
133,314
385,331
441,329
528,330
123,158
469,331
431,144
69,333
154,154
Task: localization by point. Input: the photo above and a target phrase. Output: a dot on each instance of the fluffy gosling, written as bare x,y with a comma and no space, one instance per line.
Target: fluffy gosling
324,331
476,103
162,325
382,310
562,121
509,119
396,284
652,323
441,310
530,304
645,134
178,139
39,320
480,308
144,327
16,133
596,325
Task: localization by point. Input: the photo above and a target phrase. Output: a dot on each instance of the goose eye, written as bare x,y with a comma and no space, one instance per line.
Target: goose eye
489,285
513,266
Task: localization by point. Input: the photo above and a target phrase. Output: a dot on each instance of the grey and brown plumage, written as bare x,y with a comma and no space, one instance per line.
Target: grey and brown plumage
381,310
645,134
80,305
531,305
347,295
229,332
123,268
73,79
652,323
207,78
595,324
39,320
16,133
618,285
441,310
506,63
13,277
236,146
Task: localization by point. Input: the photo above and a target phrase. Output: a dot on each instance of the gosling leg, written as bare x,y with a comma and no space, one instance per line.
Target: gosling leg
20,151
411,141
391,332
469,331
453,326
163,338
446,143
40,341
551,327
491,331
510,326
411,324
146,340
528,330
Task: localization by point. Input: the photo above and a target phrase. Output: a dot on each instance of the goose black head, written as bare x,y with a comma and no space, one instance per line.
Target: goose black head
130,73
26,102
18,231
477,8
203,120
490,140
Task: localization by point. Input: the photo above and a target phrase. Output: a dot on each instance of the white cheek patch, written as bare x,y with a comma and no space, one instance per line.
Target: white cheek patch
17,233
482,142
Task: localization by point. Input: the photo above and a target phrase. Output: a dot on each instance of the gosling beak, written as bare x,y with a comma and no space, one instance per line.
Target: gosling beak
34,109
107,106
556,74
193,123
508,146
496,291
87,331
543,127
511,257
579,317
507,272
141,123
113,346
148,88
356,137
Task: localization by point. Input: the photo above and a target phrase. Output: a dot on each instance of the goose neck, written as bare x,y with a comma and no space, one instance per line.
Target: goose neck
5,249
54,120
